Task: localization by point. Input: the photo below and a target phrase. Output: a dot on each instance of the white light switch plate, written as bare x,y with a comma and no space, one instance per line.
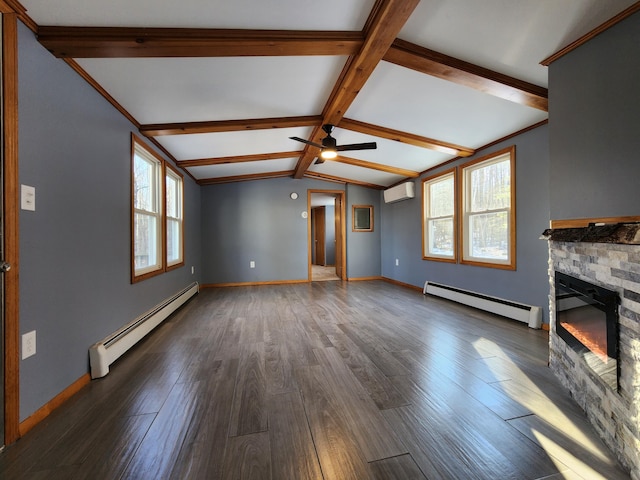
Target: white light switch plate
28,198
28,344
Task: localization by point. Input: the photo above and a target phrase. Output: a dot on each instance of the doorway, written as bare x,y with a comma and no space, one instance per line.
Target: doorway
326,233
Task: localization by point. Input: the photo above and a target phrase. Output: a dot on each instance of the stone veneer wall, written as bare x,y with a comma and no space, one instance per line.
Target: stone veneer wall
615,415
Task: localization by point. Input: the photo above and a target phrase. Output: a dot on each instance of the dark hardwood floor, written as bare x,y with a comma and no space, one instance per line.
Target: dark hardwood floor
329,380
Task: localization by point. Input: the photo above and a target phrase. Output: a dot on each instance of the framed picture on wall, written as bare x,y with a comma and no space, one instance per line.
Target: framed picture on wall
362,218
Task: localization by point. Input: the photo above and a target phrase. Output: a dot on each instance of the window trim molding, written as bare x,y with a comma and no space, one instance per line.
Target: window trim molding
431,179
176,173
511,264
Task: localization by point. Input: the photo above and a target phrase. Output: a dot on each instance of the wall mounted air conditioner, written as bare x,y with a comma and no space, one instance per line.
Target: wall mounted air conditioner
400,192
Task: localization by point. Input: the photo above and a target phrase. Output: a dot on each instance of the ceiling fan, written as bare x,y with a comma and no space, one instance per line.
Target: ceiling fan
329,148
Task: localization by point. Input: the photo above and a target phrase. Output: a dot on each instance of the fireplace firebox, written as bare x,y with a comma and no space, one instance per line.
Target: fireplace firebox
587,320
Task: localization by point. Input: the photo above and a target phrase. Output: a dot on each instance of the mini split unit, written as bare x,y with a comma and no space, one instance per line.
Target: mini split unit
400,192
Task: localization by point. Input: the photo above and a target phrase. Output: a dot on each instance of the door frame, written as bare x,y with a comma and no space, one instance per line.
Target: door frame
343,229
10,215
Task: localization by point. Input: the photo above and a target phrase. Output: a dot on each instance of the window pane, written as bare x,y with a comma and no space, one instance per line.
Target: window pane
144,173
490,187
174,251
146,241
172,197
489,235
441,237
441,198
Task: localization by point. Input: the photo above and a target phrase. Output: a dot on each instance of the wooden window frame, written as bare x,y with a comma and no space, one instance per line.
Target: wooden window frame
464,214
427,182
138,147
170,171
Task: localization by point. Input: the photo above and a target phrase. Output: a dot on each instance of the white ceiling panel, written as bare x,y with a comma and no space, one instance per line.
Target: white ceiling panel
263,14
438,109
159,90
244,168
226,144
508,36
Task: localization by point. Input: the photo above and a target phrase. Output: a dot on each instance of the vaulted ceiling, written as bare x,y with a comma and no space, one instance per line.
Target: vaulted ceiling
222,85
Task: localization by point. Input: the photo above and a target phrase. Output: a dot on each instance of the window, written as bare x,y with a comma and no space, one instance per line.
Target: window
438,215
157,236
173,188
147,212
488,213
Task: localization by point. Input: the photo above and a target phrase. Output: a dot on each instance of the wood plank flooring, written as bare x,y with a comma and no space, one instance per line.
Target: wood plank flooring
321,381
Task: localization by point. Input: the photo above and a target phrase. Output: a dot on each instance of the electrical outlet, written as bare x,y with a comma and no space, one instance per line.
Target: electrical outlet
397,262
193,270
252,264
28,344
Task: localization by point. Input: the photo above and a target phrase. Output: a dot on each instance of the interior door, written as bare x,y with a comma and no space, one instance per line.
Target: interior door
319,218
339,237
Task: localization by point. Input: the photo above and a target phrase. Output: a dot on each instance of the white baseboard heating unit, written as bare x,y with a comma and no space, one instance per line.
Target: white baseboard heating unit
517,311
107,351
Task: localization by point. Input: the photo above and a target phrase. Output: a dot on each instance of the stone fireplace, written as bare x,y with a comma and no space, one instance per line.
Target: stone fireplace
607,257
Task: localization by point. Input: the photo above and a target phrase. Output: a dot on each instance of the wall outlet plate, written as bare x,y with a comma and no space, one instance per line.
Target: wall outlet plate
28,344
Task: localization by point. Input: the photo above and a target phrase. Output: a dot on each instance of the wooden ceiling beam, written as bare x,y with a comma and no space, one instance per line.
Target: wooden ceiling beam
121,42
375,166
334,179
159,129
448,68
383,25
404,137
237,159
244,178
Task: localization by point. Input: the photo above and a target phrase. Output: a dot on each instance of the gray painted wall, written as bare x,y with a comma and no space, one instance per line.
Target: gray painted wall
402,234
594,137
74,249
363,248
256,221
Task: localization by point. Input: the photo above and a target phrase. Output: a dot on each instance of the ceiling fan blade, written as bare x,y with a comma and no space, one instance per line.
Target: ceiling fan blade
357,146
298,139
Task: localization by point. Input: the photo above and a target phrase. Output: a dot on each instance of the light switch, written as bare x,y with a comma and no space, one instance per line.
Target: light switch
28,198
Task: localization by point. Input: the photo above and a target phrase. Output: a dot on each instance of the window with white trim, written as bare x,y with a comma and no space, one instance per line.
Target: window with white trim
488,213
173,189
147,192
439,219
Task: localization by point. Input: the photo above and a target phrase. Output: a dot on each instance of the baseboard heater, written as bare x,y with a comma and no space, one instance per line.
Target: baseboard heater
517,311
107,351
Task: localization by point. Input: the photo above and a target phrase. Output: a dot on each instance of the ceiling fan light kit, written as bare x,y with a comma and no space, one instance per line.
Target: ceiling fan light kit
329,148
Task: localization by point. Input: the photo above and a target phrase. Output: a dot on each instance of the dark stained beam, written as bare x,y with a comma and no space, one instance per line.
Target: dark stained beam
404,137
117,42
155,130
237,159
464,73
383,25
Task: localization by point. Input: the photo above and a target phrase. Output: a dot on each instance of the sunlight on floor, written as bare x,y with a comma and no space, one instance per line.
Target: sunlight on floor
541,405
563,458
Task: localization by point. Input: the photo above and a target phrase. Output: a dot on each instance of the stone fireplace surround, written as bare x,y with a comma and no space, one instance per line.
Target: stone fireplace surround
609,256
